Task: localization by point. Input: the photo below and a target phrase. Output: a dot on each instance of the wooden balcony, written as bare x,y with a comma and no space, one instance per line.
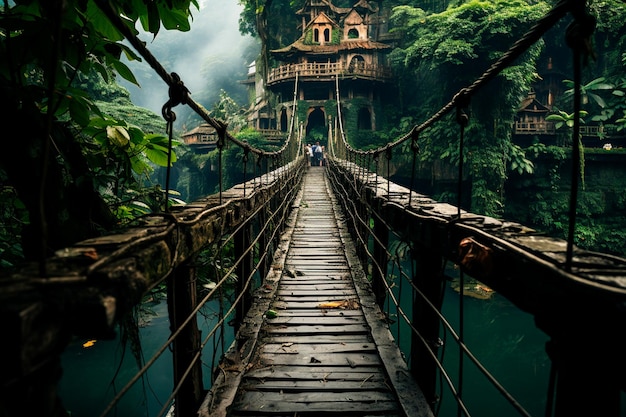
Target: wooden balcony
328,71
534,128
548,128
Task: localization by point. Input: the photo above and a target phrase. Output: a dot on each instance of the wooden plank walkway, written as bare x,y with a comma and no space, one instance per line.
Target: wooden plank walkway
327,350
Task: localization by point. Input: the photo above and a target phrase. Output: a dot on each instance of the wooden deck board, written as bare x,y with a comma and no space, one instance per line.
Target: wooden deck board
334,403
319,353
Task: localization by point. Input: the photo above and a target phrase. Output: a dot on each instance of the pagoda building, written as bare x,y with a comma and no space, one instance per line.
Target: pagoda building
337,54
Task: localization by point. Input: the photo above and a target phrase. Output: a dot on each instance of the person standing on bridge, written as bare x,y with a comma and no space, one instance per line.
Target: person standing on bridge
309,153
318,151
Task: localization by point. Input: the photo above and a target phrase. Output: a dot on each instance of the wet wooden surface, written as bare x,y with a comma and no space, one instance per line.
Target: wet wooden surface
327,349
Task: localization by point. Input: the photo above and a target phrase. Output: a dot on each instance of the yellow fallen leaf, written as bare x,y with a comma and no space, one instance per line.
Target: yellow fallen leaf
89,343
345,304
331,304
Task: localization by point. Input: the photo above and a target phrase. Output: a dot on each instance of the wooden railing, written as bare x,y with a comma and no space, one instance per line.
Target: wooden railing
91,287
548,128
330,69
533,128
581,309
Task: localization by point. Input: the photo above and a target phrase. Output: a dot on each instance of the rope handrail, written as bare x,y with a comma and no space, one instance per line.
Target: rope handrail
177,88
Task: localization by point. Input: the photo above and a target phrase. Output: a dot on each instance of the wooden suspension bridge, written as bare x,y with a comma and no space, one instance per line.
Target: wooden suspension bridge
311,338
309,271
320,341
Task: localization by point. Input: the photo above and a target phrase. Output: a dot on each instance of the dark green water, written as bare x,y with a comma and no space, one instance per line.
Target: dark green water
92,376
507,343
501,336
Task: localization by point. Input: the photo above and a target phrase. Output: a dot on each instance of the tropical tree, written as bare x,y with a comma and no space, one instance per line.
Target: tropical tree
590,92
63,167
566,120
471,36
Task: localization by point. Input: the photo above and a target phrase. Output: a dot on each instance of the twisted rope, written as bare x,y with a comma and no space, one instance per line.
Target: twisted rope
518,48
174,81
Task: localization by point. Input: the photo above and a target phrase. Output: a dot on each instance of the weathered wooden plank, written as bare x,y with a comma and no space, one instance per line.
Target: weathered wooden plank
321,359
312,274
290,303
308,349
320,329
327,402
317,294
319,299
313,260
322,373
320,339
336,320
316,285
296,385
319,312
316,278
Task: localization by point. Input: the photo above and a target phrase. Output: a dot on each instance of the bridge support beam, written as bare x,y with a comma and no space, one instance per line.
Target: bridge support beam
587,355
264,242
181,302
379,271
242,244
428,279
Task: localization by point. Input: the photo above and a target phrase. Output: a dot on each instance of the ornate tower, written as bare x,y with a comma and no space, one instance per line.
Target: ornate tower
336,53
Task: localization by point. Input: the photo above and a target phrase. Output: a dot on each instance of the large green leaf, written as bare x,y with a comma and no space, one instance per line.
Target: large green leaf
101,23
158,155
124,71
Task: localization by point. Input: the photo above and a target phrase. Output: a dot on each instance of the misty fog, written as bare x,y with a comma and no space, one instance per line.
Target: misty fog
212,56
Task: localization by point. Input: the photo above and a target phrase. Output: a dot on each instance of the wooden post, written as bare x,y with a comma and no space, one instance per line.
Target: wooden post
381,242
35,335
588,356
363,232
264,264
242,242
181,302
428,279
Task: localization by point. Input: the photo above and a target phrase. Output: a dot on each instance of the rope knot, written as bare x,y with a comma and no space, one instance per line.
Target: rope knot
178,94
415,147
462,101
246,153
461,117
221,134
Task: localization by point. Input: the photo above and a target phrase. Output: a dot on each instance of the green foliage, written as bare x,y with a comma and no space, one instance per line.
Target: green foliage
590,91
235,169
519,162
336,36
302,108
229,112
57,74
441,51
308,38
562,119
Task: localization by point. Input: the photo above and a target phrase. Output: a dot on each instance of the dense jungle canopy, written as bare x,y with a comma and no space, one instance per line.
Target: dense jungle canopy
86,158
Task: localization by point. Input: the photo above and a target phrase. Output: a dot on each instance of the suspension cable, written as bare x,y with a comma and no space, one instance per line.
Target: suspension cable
170,79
